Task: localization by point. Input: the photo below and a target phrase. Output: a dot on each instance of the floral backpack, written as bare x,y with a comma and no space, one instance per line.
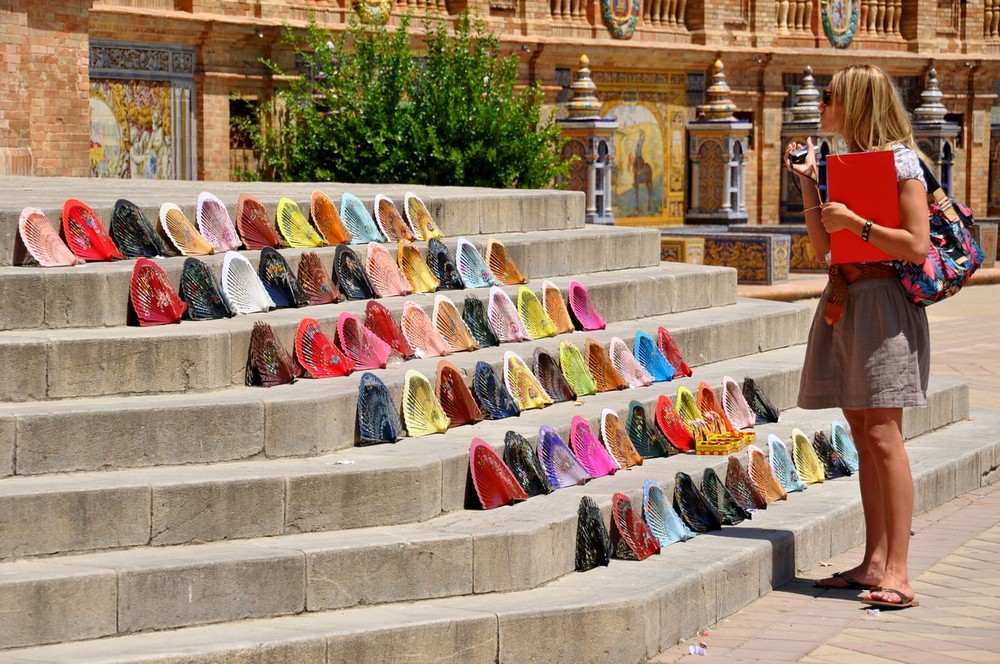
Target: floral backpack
953,256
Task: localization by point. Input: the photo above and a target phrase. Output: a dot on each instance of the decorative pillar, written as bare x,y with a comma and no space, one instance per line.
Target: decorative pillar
935,136
591,140
805,123
718,146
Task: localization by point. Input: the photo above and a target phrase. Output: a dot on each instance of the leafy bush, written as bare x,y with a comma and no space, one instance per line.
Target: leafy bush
369,109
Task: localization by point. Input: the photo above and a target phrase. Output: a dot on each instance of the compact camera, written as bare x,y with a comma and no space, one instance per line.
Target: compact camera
799,156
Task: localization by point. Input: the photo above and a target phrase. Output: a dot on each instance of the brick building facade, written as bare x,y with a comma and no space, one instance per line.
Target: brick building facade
74,68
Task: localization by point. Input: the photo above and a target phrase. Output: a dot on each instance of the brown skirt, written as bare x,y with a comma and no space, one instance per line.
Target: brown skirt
876,356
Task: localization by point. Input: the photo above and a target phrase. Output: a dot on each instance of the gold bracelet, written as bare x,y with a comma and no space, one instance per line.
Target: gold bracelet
809,209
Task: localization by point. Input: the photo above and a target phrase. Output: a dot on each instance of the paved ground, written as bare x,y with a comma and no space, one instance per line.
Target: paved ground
954,556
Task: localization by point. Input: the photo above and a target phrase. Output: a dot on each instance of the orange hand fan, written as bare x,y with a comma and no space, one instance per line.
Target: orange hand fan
182,233
326,219
389,221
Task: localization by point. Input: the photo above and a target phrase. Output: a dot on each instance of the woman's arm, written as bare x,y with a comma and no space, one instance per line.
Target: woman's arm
811,203
909,242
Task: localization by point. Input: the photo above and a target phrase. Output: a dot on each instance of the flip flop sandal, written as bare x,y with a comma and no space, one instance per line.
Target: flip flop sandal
903,603
850,583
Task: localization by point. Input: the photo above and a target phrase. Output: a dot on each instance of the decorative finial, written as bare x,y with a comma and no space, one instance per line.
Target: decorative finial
718,106
585,104
806,107
930,110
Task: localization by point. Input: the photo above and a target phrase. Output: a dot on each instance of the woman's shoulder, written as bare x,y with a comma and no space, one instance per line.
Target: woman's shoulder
907,164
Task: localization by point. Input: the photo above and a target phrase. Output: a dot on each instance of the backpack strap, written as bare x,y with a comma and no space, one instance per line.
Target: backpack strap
935,194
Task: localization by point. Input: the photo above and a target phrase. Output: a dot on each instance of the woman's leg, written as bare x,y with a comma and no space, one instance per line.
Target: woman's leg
872,566
884,442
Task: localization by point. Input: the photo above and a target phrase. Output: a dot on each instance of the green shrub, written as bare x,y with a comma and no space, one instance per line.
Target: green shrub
370,109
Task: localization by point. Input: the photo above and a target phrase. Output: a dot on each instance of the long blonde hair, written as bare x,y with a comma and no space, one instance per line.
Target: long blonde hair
874,116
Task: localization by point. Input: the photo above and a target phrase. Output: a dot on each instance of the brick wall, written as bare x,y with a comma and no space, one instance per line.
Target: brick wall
53,118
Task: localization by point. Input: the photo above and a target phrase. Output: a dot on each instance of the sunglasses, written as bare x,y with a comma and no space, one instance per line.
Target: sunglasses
827,96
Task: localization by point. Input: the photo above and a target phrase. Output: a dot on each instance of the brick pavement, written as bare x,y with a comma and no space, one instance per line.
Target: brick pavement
955,566
954,555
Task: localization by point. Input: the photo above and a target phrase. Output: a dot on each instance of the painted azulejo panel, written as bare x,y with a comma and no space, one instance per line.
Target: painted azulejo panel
758,259
649,177
130,129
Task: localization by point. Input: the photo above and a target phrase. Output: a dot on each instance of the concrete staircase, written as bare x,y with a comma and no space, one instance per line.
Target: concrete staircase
154,509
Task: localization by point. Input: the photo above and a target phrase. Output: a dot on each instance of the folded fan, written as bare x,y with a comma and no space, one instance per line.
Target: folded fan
357,220
254,224
215,224
279,282
631,538
314,281
383,325
384,275
326,218
182,233
317,353
202,292
521,459
664,522
242,287
389,221
378,417
494,400
419,219
85,234
454,395
494,483
561,468
589,450
132,232
294,226
522,385
422,412
268,363
593,543
501,264
360,344
153,296
43,242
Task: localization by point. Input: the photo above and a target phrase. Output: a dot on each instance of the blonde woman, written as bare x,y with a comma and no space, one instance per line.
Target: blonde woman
869,348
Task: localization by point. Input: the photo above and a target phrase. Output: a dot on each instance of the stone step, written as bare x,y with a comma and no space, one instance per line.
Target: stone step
97,294
414,480
457,211
318,416
208,355
626,612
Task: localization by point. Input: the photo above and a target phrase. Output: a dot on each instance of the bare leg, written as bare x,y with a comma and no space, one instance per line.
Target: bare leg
872,566
892,465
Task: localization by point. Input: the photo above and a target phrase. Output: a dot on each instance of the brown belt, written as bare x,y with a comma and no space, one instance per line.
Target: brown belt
847,273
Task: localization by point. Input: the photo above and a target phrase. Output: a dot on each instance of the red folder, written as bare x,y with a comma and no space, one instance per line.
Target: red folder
866,183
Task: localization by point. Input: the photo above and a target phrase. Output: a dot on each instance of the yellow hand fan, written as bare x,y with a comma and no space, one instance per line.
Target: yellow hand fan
422,412
415,269
522,385
295,228
533,315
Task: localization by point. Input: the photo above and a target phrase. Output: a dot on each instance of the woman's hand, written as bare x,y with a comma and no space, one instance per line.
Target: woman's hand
809,168
837,217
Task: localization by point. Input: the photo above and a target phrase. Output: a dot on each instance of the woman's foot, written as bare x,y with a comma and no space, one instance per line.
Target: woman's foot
890,598
857,578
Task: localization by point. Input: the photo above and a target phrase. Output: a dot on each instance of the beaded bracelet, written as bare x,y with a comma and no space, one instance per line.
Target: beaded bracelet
867,229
